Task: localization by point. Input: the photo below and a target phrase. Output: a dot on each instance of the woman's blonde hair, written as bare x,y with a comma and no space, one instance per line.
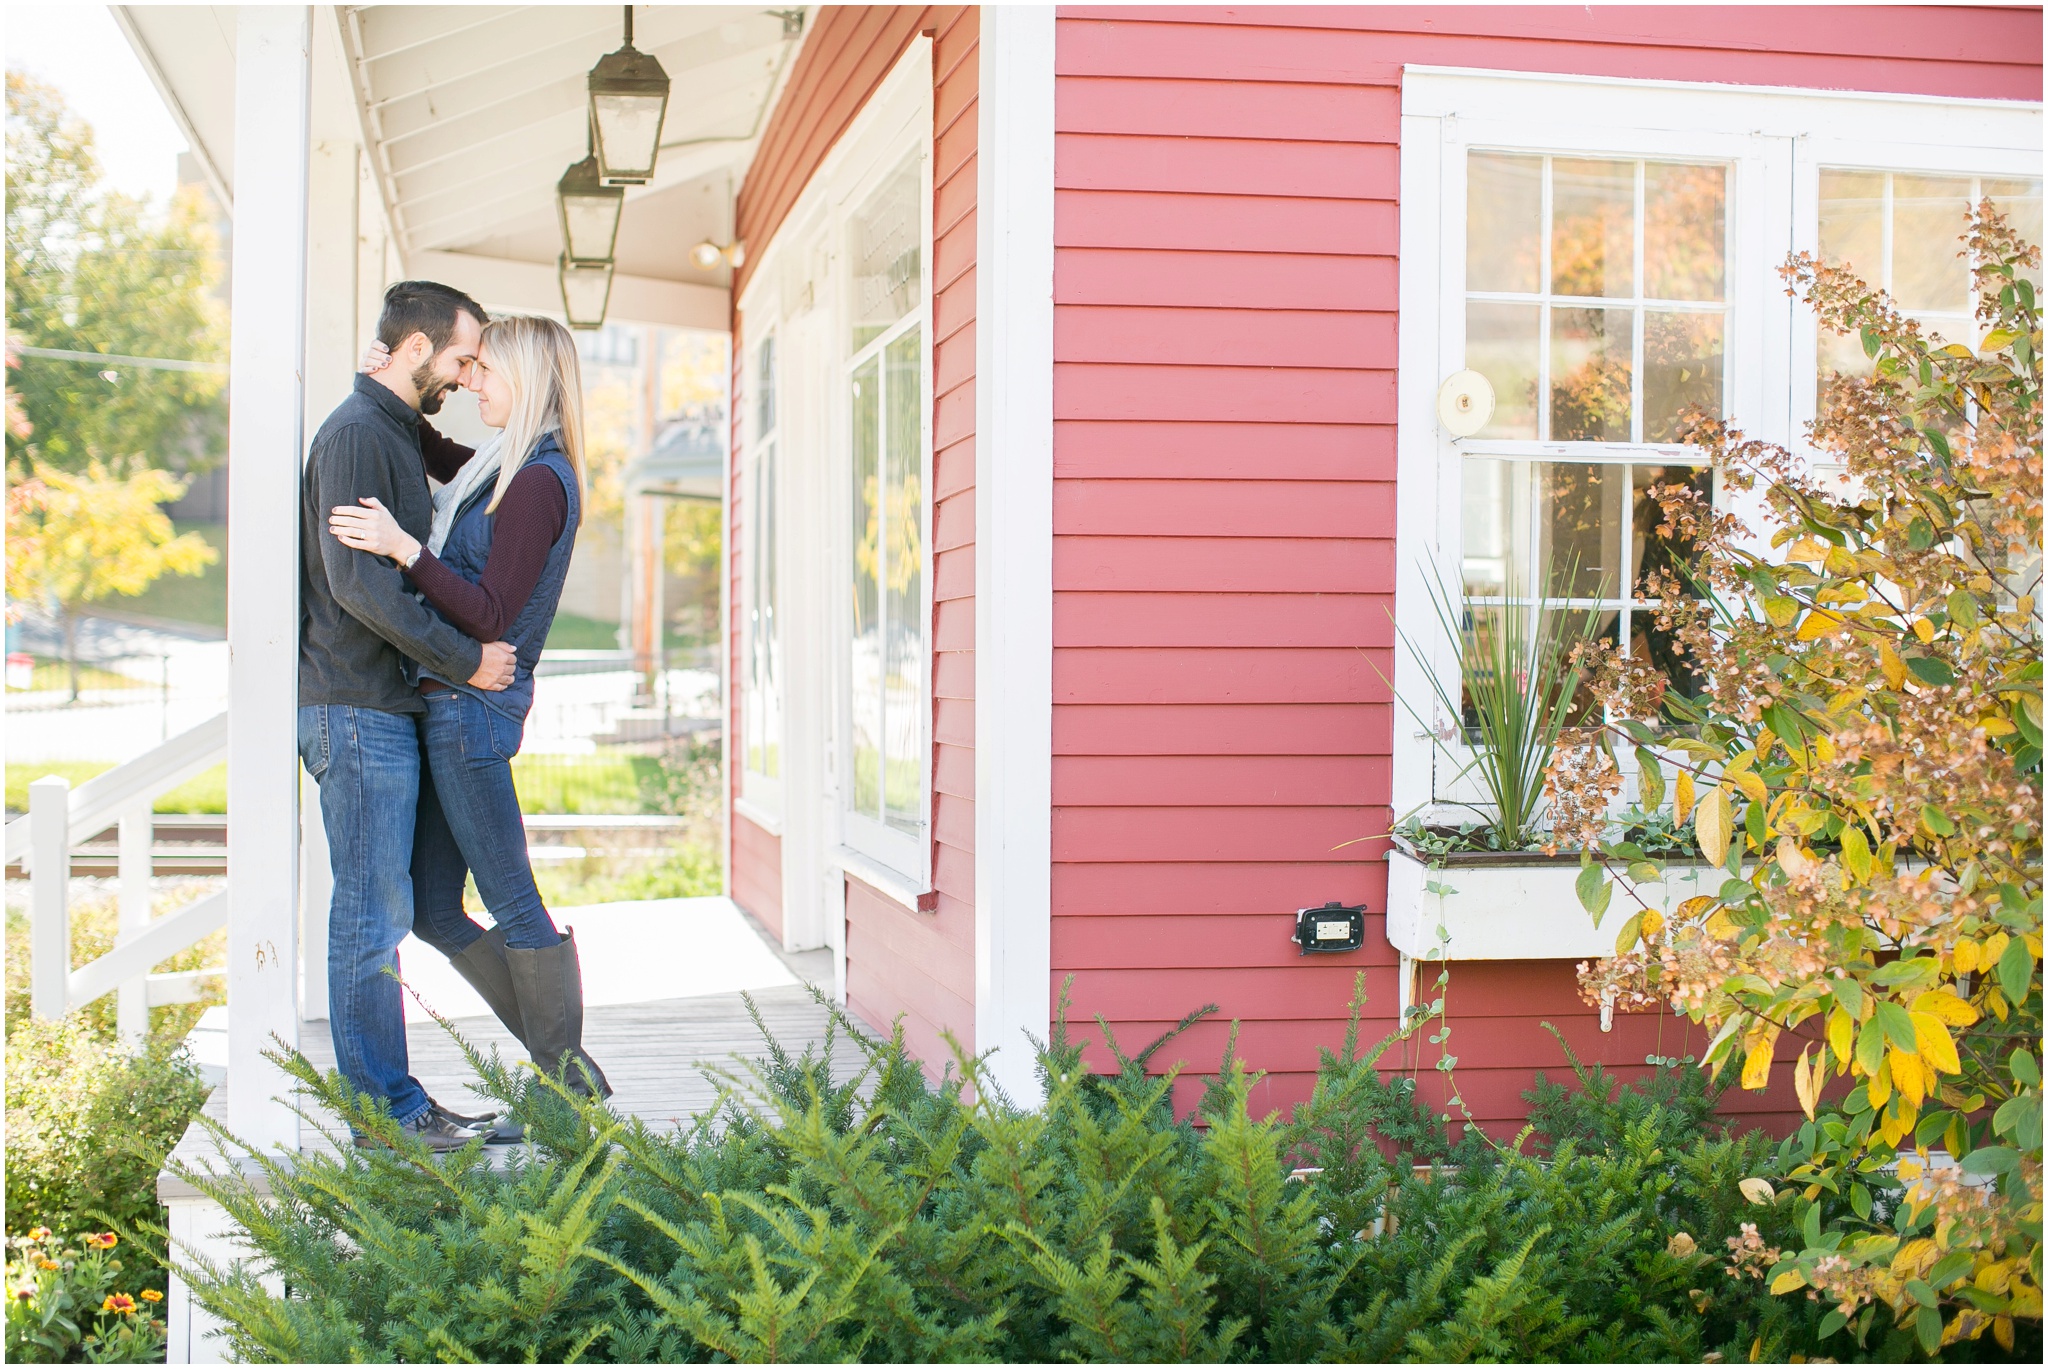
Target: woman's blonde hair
537,358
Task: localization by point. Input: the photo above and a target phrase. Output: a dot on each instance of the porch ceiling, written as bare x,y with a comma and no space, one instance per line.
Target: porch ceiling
470,114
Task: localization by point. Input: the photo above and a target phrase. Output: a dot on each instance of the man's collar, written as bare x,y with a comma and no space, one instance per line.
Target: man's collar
387,401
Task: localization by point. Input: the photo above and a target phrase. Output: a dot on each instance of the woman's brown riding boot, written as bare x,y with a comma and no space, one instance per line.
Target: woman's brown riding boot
549,986
482,964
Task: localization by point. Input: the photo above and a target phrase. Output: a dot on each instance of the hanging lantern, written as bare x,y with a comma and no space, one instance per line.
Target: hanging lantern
586,291
590,212
628,99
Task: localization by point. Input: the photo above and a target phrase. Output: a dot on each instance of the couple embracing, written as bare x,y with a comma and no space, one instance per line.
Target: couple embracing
422,615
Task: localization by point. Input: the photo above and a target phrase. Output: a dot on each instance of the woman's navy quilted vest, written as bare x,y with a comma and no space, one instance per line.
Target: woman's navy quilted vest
469,546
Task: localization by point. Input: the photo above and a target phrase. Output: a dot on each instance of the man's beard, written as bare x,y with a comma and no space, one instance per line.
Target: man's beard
431,387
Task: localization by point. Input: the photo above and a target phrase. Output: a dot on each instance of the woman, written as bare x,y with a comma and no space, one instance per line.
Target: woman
494,564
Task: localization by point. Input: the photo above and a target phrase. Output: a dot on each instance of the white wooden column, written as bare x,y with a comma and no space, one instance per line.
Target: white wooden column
1013,543
266,418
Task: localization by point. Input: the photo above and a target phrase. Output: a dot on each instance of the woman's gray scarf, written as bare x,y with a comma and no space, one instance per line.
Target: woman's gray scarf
448,500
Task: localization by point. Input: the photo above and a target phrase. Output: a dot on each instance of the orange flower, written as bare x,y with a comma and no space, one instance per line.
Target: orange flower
151,1295
47,1264
39,1233
105,1240
118,1302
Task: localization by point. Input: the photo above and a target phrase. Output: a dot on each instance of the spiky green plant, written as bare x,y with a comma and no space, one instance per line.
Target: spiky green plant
1518,673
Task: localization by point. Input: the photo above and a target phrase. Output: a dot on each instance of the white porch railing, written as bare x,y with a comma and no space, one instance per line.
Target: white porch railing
59,817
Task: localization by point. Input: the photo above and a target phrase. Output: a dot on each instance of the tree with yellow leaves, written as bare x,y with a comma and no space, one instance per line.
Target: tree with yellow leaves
74,540
1865,765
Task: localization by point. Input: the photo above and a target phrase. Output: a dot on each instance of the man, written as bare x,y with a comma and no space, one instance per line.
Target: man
356,729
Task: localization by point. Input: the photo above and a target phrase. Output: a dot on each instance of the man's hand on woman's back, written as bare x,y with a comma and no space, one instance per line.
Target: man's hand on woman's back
495,671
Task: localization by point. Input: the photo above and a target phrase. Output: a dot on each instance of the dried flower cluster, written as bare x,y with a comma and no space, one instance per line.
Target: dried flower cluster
1859,747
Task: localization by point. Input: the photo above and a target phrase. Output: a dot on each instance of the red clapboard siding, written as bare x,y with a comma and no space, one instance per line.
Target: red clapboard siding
918,965
1225,288
1227,337
757,873
1220,451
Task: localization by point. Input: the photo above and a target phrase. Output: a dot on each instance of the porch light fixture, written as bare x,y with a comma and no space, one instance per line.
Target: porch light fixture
586,291
708,255
590,212
628,99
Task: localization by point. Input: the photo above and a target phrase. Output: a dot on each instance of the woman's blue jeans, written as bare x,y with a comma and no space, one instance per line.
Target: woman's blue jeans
469,820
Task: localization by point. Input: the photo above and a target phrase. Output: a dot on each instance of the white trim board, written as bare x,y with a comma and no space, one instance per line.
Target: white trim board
1013,448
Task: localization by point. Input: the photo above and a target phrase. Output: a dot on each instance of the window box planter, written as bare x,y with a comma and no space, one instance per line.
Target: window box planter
1512,905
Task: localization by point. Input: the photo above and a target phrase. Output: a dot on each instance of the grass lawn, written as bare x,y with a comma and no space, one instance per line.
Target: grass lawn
54,674
586,785
206,792
201,598
574,632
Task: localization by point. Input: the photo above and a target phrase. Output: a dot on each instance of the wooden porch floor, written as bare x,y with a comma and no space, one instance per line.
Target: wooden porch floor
663,997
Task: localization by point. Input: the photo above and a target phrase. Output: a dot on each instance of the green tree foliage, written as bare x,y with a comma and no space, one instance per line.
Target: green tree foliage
92,270
75,539
836,1213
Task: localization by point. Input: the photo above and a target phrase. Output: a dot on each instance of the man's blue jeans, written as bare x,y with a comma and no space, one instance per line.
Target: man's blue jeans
367,763
469,821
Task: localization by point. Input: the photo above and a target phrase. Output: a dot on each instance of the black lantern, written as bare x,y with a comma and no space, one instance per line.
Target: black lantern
586,291
628,98
590,212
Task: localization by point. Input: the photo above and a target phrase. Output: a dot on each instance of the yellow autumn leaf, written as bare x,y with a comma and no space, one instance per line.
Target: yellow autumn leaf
1803,1084
1966,957
1993,947
1915,1257
1840,1034
1818,623
1758,1192
1752,784
1788,1281
1937,1047
1856,852
1892,664
1756,1068
1907,1075
1924,630
1793,861
1682,800
1712,823
1881,1084
1694,906
1823,748
1653,922
1944,1006
1765,740
1995,726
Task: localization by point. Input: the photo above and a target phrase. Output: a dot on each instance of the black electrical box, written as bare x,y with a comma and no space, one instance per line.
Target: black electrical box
1332,927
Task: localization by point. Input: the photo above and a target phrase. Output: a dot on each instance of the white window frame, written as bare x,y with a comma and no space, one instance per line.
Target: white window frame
761,791
895,124
1774,139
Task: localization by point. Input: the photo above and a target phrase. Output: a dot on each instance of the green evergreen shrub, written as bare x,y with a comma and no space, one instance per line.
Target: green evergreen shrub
816,1216
88,1127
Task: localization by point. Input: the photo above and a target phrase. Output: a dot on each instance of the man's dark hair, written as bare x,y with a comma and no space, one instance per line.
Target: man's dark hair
424,306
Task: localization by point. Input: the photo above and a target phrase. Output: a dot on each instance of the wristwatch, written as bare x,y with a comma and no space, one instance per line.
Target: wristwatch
409,562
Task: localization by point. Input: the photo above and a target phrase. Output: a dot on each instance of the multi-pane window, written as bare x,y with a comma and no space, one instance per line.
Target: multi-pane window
1596,294
1899,231
1596,303
763,713
887,649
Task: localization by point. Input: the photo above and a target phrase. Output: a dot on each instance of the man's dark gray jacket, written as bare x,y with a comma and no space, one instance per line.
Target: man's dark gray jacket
356,613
